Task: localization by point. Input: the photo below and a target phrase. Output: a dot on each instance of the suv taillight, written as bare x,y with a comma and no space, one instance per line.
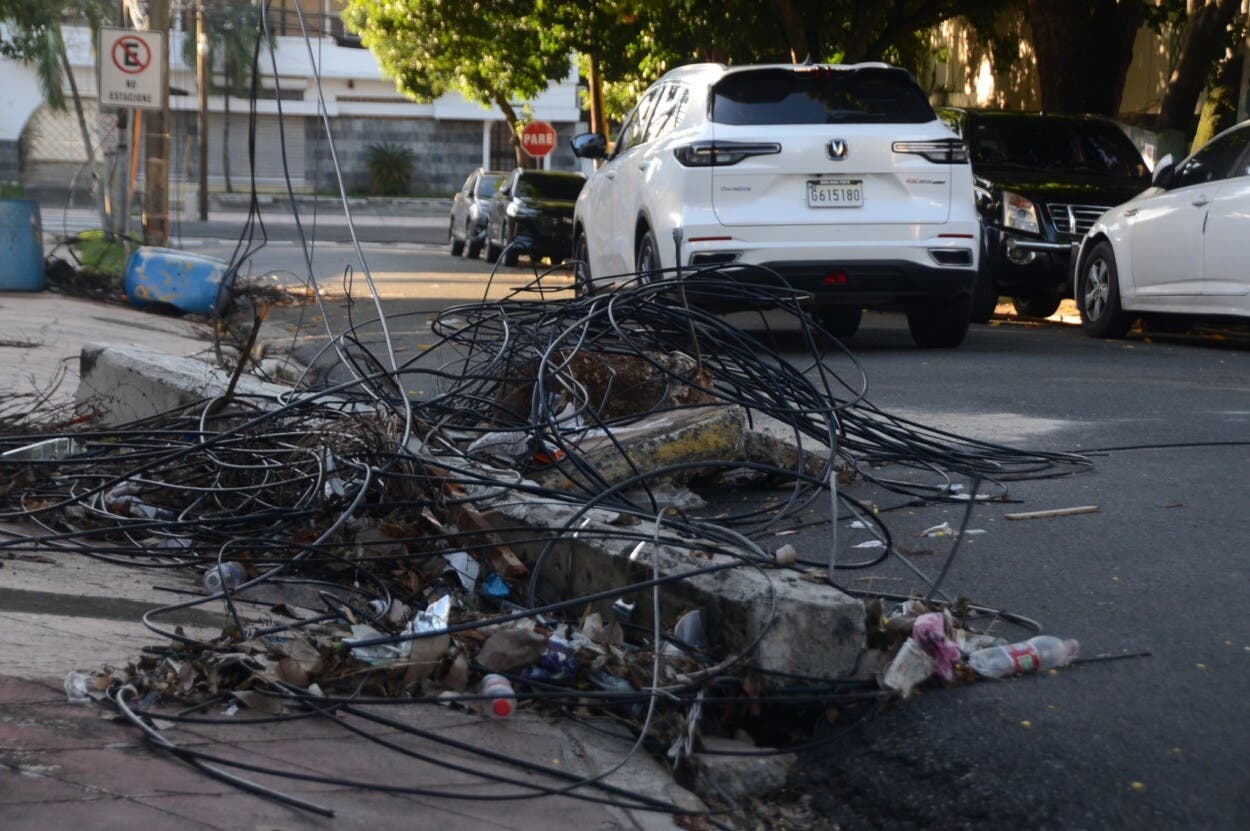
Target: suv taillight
722,153
941,151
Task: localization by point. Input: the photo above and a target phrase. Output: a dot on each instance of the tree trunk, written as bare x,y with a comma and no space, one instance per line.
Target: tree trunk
1083,50
510,116
594,83
1203,45
97,188
1219,111
225,124
795,31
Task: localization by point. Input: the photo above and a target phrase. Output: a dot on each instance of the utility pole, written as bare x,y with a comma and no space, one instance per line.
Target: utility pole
201,86
156,143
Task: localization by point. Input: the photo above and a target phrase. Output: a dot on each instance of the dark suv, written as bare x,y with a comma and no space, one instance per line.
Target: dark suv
1040,182
532,213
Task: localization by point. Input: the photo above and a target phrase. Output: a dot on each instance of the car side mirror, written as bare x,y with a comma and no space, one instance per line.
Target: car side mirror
589,146
1165,173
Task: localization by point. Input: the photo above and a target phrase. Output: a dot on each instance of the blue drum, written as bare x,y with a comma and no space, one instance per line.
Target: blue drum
191,282
21,246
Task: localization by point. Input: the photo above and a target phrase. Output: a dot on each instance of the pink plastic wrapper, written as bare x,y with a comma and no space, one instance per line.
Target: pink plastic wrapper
929,631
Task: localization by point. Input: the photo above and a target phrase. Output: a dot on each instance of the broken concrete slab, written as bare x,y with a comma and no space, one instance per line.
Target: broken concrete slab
128,383
797,626
733,771
698,434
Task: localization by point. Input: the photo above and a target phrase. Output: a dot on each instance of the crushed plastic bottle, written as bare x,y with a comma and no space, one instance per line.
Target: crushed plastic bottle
1034,655
502,701
229,574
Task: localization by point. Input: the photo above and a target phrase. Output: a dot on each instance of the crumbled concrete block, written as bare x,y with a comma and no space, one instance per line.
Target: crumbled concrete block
797,626
733,771
127,383
695,435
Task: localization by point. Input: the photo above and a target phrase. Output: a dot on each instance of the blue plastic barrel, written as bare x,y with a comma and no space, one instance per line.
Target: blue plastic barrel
191,282
21,246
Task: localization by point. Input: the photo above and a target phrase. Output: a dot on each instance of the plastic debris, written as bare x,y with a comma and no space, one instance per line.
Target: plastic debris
1034,655
494,586
76,686
466,568
48,450
502,701
870,544
787,555
930,631
228,574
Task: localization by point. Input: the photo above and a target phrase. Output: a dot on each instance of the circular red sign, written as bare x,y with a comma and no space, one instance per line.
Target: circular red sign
131,55
538,138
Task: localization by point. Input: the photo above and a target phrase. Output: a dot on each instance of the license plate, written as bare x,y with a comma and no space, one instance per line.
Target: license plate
835,193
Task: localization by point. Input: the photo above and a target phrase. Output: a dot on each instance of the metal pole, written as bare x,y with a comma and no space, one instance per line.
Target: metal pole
201,86
156,144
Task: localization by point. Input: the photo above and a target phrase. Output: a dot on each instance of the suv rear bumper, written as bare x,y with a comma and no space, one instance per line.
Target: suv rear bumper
878,283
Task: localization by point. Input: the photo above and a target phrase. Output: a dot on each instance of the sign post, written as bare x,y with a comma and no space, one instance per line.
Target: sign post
538,138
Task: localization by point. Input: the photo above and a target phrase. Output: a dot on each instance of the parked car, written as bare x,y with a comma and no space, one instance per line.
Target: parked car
532,213
840,178
1180,249
467,230
1041,181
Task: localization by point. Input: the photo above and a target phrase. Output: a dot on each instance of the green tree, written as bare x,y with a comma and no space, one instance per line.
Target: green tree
32,34
492,53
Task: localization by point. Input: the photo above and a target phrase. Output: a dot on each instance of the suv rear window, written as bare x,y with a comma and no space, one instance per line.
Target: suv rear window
540,186
1055,144
820,95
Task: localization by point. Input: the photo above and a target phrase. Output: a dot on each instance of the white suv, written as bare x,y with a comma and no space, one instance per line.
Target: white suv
839,178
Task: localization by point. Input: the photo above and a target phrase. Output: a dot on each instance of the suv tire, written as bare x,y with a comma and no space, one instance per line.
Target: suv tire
942,324
840,321
1098,295
647,259
984,297
492,252
1043,304
582,283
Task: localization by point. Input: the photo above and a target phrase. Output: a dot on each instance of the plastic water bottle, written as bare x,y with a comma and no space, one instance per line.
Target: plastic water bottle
502,702
1034,655
229,574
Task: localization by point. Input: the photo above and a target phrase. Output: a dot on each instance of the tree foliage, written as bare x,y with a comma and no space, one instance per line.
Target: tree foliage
31,33
492,53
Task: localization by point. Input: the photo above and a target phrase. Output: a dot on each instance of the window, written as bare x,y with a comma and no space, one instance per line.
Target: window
1215,161
635,128
558,186
1055,143
820,95
487,183
669,110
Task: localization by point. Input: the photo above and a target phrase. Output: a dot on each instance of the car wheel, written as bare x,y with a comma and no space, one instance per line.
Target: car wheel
840,321
984,297
473,250
1037,305
510,251
647,259
582,283
455,246
1098,295
492,251
942,324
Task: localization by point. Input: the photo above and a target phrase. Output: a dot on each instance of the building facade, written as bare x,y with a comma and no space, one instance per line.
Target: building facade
449,137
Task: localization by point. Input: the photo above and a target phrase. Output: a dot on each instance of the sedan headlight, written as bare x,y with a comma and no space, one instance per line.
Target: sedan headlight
1020,213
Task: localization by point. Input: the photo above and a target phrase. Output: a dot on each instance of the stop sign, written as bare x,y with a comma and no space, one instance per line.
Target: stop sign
538,138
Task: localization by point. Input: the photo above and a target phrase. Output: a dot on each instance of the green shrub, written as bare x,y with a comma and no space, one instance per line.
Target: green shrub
390,169
11,190
100,254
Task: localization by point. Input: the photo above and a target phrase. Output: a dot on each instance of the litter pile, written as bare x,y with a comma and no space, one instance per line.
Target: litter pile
365,546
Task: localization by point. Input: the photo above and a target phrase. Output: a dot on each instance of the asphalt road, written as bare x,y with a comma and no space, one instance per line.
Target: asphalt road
1157,742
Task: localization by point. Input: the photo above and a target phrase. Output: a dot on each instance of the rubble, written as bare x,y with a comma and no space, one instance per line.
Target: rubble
543,516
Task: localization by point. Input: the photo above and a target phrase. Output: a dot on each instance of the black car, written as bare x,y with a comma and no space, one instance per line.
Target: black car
467,230
532,213
1040,182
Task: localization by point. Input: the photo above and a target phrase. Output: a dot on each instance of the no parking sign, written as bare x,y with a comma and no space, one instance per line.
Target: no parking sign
132,67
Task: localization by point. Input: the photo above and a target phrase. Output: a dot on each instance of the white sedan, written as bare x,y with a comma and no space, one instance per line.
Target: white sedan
1179,248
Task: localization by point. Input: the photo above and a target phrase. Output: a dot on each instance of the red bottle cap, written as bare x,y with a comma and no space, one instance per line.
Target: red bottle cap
502,707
